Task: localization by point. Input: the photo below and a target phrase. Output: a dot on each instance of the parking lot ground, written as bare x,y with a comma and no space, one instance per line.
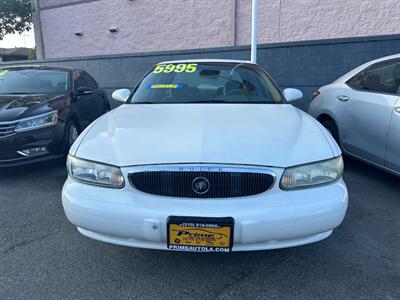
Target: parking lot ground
42,256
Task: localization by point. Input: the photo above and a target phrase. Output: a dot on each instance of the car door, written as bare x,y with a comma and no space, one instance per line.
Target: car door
366,110
99,99
85,102
393,145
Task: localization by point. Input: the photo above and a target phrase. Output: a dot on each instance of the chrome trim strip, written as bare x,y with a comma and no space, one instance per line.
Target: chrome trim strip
9,122
22,153
200,167
6,136
7,130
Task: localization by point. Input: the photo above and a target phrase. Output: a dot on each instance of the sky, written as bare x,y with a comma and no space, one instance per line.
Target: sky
26,39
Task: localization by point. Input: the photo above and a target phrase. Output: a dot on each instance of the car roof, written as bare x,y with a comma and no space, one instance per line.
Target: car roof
357,70
234,61
38,66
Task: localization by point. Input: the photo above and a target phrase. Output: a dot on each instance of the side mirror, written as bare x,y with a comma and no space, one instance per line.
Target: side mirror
84,90
292,94
121,95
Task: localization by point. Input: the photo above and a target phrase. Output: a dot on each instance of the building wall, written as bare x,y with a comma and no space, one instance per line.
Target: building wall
305,65
301,20
144,25
167,25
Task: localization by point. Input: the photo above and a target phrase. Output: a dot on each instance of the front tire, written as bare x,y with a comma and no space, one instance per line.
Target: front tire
107,107
71,134
331,126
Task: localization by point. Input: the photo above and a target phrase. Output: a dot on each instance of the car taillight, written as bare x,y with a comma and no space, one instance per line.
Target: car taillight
315,95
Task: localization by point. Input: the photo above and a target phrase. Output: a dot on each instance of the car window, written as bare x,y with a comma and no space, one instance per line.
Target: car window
206,82
33,81
90,81
80,80
382,78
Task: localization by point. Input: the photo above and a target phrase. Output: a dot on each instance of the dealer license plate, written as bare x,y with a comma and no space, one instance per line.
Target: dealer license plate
200,234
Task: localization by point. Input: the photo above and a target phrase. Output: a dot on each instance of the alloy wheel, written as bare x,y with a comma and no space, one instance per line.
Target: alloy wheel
73,134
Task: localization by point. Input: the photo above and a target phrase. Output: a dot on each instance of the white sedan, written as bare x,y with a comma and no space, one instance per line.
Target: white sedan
206,156
362,111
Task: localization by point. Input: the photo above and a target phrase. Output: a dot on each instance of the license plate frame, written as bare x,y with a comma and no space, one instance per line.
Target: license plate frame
200,234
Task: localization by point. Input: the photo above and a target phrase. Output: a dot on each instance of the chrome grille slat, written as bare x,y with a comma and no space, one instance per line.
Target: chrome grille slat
224,182
7,129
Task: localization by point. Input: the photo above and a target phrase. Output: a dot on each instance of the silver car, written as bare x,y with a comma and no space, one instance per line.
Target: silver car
361,109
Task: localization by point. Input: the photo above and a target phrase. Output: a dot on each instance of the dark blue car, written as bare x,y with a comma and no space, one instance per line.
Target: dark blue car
43,109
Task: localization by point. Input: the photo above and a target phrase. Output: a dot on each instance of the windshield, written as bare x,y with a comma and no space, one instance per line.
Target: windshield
33,81
206,83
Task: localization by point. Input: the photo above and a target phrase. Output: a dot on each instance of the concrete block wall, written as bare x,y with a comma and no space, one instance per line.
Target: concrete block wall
305,65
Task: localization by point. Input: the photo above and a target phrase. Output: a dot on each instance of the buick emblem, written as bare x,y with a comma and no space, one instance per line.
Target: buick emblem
200,185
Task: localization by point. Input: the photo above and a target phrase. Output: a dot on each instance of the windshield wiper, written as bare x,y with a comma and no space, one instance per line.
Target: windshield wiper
182,102
208,101
146,102
14,93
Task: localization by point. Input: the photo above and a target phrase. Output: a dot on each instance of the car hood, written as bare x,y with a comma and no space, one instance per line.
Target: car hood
276,135
14,107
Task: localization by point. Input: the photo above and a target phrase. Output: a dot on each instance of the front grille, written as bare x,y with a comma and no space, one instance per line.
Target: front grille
217,183
7,129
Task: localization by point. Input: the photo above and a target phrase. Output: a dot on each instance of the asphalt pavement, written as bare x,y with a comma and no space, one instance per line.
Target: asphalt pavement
42,256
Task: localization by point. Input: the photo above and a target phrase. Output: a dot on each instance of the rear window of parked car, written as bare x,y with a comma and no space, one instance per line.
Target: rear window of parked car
382,77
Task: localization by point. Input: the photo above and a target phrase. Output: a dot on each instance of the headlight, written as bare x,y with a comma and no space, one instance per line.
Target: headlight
95,173
312,174
37,122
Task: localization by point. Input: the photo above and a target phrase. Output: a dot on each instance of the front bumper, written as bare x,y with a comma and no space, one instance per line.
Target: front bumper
274,219
52,138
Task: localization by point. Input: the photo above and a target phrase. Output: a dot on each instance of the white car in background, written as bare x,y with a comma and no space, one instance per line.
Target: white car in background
206,156
362,111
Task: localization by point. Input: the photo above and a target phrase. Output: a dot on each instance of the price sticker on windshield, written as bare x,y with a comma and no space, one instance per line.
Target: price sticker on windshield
3,73
175,68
